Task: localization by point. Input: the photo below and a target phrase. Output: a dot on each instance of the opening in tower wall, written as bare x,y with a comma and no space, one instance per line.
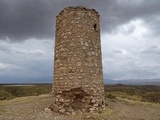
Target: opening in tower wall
95,27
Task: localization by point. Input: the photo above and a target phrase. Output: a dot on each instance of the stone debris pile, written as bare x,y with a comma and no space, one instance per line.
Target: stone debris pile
76,100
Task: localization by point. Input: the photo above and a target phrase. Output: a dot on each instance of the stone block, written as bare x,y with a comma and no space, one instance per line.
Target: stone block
47,110
62,111
95,105
93,101
92,109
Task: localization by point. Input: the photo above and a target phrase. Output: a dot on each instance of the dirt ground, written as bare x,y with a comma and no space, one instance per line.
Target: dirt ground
33,108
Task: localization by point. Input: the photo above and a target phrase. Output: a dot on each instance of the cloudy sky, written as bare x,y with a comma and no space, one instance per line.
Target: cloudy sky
130,38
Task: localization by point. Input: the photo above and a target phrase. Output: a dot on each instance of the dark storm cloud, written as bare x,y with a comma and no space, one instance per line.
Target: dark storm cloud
24,19
122,12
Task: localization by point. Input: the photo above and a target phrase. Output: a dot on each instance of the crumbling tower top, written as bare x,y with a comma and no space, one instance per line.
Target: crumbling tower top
78,8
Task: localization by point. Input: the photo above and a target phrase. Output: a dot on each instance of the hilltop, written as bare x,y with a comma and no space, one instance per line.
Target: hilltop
34,107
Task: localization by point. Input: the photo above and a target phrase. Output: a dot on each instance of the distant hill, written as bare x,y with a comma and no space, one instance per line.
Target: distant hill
106,81
133,82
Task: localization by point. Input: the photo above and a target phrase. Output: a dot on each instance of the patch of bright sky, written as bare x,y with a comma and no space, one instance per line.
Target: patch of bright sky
127,35
124,45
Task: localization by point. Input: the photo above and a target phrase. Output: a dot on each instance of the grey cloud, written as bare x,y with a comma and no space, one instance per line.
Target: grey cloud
15,50
26,61
153,23
5,48
123,57
124,68
119,51
154,49
24,19
124,63
120,13
116,51
35,53
127,30
4,66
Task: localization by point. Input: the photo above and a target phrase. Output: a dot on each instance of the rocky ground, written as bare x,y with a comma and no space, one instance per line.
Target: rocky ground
35,108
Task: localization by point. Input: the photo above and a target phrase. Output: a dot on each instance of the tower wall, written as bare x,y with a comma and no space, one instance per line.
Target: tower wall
78,73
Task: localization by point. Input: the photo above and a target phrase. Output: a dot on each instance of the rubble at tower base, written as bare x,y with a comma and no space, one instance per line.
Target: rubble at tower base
68,102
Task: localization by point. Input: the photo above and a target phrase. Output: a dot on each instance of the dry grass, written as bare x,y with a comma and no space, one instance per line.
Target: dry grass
30,103
19,100
137,93
138,102
32,107
10,92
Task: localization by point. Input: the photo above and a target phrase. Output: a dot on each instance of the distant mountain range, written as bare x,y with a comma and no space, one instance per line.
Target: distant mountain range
106,81
133,82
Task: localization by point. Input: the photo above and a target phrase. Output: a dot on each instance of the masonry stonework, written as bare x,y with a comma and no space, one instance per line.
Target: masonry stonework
78,77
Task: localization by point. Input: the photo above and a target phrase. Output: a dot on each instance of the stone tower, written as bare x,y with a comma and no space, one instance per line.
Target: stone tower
78,78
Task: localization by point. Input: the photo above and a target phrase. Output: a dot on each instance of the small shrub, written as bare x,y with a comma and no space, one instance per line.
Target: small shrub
5,95
138,93
151,97
110,96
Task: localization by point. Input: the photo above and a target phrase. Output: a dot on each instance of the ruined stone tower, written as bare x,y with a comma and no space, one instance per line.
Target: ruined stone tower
78,78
